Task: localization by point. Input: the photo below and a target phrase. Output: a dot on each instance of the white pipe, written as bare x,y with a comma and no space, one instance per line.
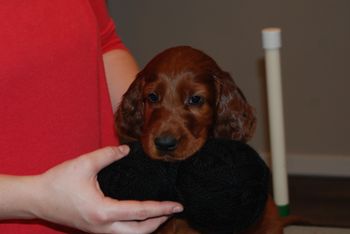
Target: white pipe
272,43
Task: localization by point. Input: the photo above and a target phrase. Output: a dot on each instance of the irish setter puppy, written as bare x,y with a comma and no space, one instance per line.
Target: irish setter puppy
178,101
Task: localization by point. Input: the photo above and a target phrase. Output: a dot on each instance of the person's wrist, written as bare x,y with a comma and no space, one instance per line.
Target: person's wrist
21,193
34,196
39,197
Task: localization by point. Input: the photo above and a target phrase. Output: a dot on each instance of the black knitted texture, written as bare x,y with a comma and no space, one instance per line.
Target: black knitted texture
223,187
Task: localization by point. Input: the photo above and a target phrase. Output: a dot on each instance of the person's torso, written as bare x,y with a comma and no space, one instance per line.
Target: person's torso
54,102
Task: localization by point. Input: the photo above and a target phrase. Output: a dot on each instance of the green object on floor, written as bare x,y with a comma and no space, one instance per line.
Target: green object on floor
283,210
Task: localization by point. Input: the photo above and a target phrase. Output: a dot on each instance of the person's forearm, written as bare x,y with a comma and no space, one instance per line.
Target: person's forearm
17,196
121,70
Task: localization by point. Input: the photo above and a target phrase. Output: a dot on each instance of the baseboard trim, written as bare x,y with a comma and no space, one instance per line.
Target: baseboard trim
317,165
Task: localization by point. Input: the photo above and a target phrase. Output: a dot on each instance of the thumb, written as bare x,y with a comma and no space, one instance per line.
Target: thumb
105,156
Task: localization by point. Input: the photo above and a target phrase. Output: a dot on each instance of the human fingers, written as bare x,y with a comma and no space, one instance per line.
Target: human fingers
101,158
140,210
132,227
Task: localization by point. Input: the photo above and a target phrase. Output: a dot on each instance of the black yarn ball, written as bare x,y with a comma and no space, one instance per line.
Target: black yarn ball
223,186
137,177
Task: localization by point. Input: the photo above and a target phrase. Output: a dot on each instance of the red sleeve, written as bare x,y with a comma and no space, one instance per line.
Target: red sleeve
109,38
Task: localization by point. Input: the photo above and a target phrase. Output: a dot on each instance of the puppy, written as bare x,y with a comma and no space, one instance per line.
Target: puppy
179,100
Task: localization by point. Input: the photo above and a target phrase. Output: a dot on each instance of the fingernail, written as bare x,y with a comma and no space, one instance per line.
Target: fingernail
124,149
177,209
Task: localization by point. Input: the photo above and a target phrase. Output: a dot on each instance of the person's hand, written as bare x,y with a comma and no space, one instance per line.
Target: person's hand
70,195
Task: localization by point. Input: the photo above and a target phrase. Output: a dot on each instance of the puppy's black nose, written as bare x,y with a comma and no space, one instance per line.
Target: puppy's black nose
166,143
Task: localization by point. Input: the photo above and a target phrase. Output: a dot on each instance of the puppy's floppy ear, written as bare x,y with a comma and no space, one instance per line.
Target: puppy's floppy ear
129,116
235,118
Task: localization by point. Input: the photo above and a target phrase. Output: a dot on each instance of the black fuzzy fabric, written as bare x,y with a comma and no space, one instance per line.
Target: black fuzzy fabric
223,187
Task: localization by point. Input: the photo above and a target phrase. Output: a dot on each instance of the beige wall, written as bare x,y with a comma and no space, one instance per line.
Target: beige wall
315,57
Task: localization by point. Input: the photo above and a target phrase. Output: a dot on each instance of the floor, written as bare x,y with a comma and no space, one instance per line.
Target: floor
314,230
322,201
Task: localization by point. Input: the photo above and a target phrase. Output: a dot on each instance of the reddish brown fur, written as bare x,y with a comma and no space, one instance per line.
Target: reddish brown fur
175,76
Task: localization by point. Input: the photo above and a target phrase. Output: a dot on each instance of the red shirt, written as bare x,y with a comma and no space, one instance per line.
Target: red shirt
54,102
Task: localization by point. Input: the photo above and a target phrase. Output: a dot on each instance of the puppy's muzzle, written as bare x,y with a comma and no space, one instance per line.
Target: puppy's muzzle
166,143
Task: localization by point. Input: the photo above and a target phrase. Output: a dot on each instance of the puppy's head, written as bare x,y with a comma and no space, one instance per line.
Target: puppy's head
177,101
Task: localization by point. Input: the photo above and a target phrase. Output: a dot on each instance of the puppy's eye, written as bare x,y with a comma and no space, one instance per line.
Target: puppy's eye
195,100
153,97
